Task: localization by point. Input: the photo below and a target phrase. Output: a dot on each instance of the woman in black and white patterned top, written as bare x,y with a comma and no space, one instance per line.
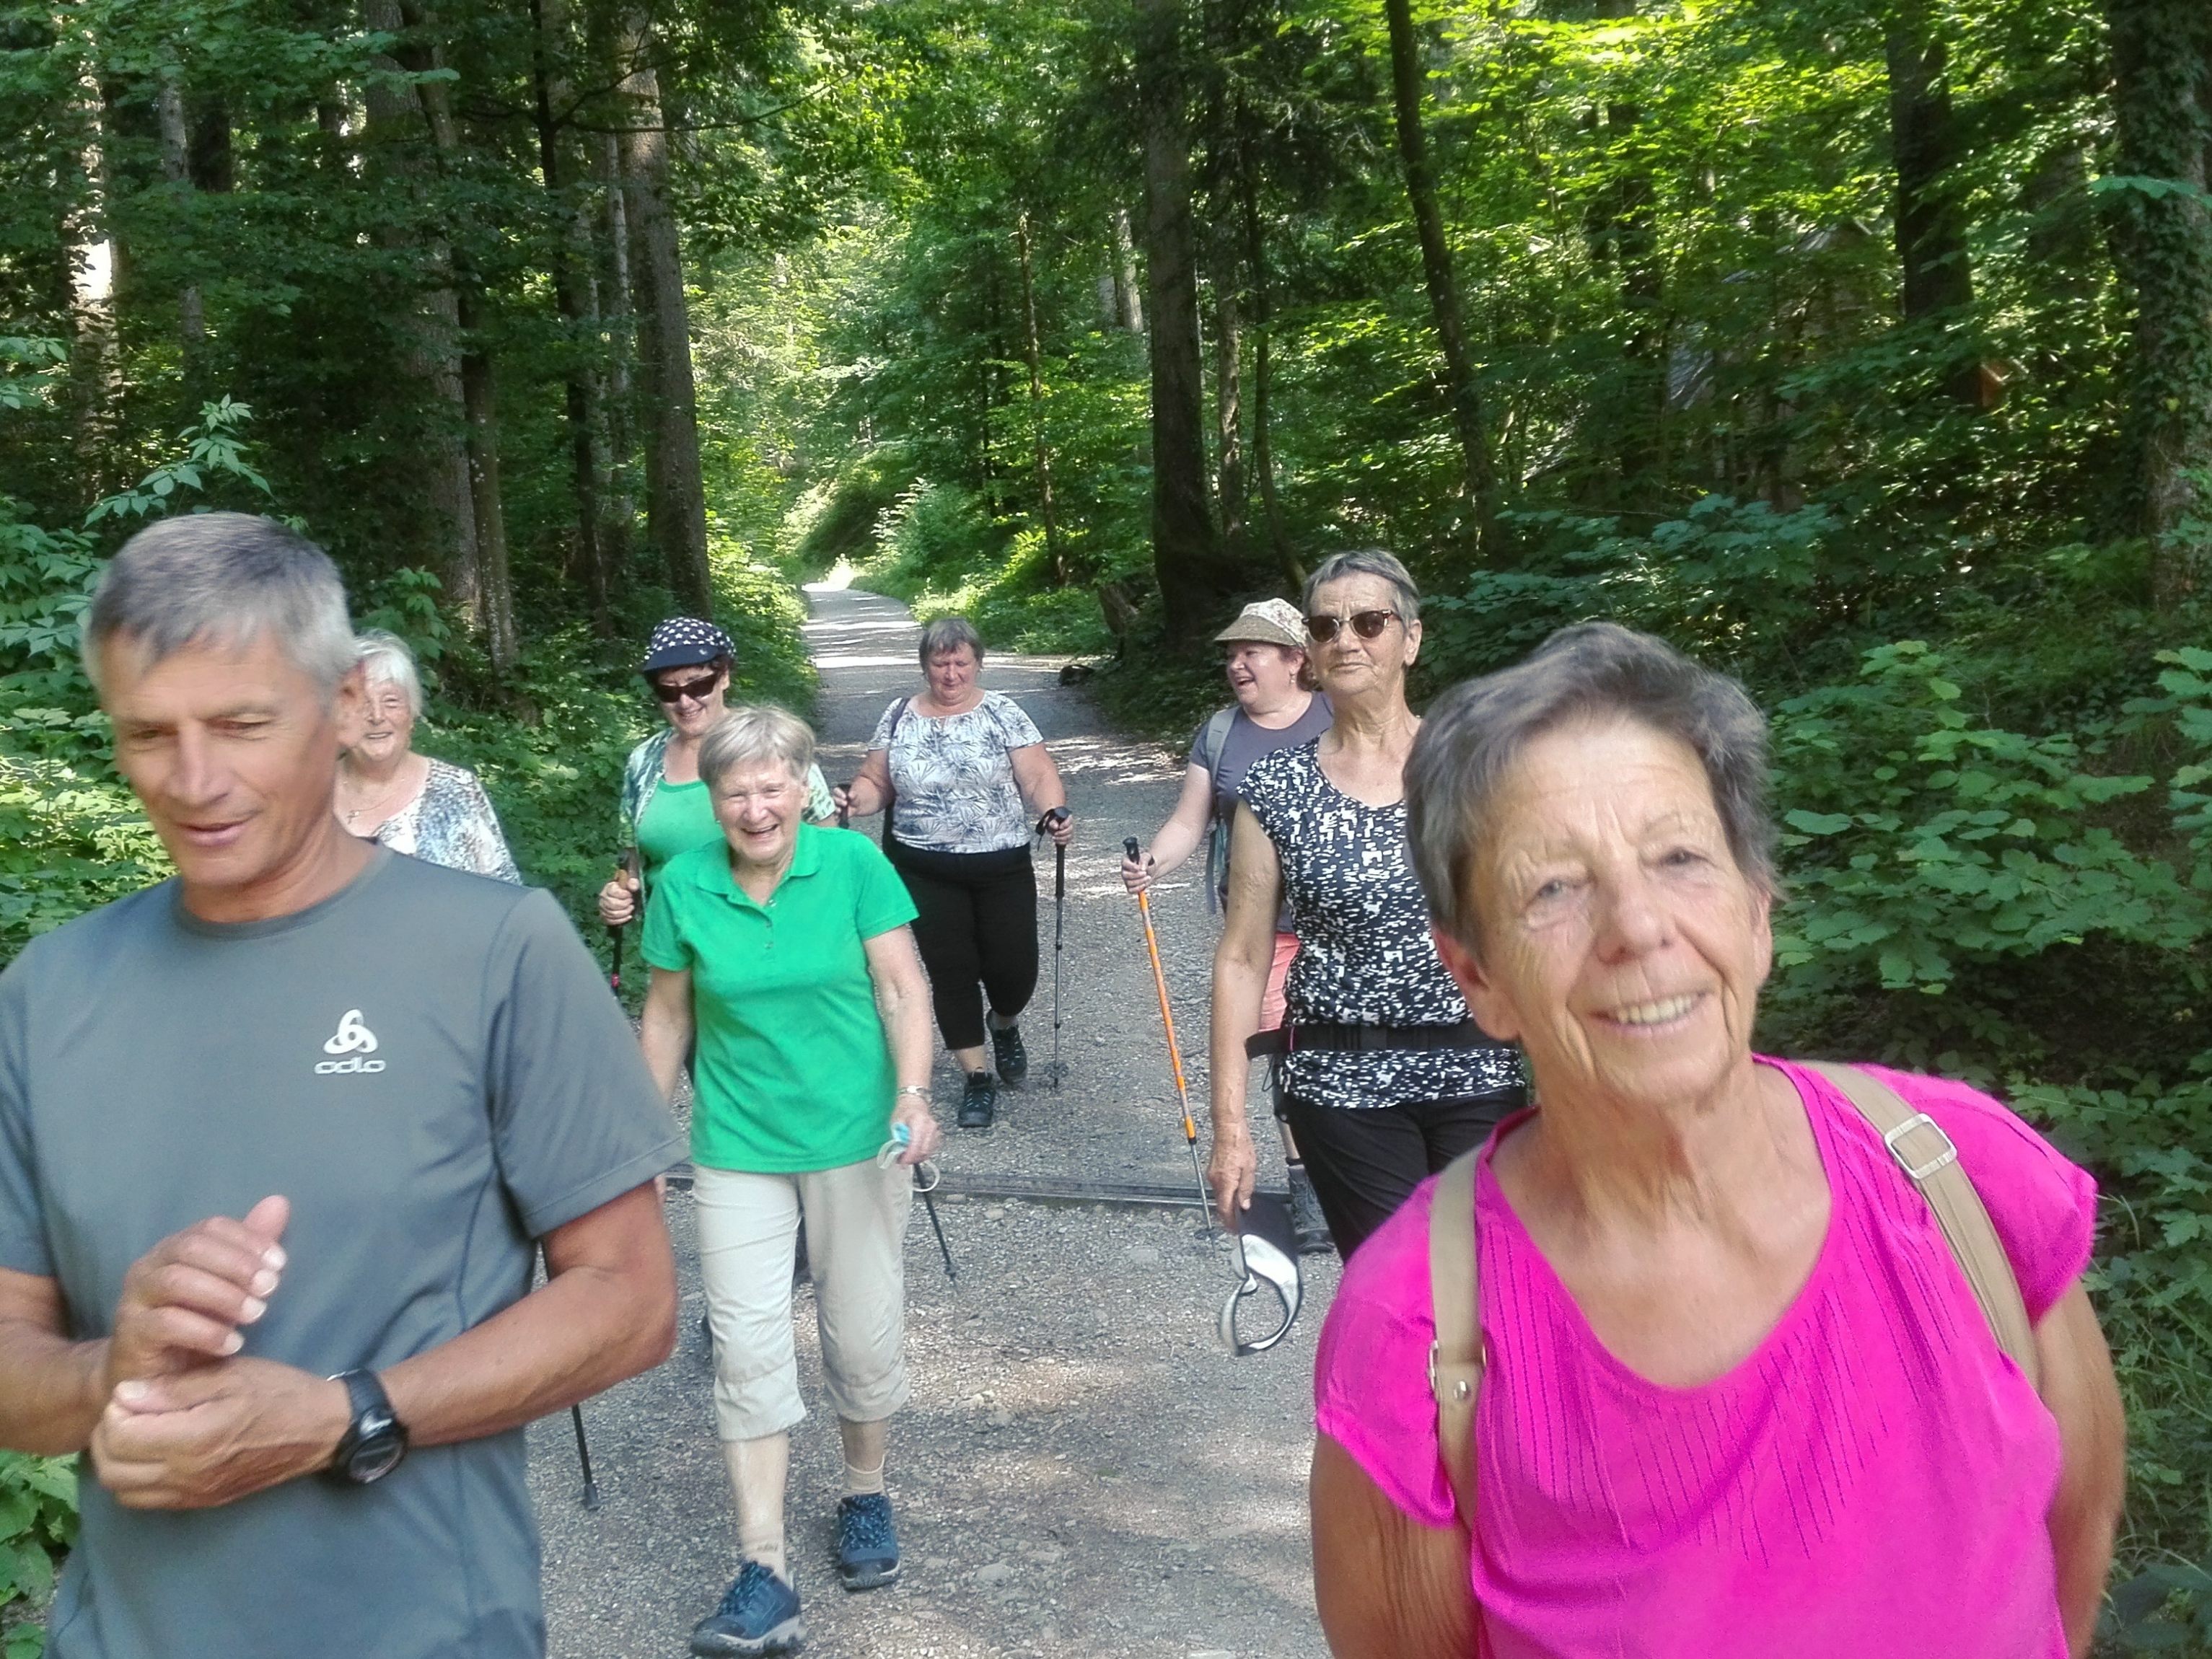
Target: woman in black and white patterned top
1385,1078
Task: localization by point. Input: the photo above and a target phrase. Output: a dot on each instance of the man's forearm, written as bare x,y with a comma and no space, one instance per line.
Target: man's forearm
586,1329
51,1390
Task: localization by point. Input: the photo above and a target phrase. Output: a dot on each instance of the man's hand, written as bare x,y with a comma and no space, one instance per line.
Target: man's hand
209,1436
185,1300
1230,1170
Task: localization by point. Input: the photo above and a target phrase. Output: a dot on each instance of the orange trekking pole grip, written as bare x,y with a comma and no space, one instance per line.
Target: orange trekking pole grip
1175,1053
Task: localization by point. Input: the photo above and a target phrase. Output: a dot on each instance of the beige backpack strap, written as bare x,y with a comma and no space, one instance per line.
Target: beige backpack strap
1926,1155
1455,1362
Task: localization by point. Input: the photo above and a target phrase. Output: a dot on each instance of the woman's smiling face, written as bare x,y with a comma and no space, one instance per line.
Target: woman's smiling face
385,726
1620,944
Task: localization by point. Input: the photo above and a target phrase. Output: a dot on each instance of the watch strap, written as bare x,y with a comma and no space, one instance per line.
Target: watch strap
369,1411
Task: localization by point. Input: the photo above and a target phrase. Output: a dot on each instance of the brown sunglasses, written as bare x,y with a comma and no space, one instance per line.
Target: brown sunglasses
698,691
1368,624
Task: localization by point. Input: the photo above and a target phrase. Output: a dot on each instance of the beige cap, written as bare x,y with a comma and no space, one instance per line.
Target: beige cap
1269,621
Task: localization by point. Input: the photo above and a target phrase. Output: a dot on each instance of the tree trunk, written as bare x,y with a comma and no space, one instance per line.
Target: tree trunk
433,336
95,373
177,173
1627,239
1054,549
1407,78
1263,449
1186,559
2162,98
676,500
1128,306
1228,399
1938,283
620,348
492,613
571,259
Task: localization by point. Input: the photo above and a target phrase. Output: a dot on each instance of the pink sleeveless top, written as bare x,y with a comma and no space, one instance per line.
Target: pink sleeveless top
1870,1483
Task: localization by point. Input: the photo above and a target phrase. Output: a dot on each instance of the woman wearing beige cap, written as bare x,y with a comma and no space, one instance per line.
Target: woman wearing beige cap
1274,709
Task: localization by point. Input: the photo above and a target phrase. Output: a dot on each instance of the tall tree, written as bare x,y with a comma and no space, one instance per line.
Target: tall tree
1926,149
177,173
2162,98
1041,451
675,496
89,256
1188,559
1408,77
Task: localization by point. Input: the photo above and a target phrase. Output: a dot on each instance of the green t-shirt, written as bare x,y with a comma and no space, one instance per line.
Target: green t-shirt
678,817
793,1070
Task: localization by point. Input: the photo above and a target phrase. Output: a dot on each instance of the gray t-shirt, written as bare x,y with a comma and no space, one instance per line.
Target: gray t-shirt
1245,742
429,1065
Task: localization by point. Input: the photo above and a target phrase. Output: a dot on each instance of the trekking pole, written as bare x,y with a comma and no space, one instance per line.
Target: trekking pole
584,1456
1059,926
929,1203
1175,1053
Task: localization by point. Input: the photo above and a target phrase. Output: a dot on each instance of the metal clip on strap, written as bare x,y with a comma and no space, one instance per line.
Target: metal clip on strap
1893,1139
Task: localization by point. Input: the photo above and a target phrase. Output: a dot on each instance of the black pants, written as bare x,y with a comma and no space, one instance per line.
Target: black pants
1365,1164
977,925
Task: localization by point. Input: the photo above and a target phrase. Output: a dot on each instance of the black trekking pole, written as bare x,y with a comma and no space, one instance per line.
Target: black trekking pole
929,1203
1045,826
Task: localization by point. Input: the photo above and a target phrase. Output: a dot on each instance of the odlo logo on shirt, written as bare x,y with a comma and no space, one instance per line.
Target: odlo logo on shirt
354,1039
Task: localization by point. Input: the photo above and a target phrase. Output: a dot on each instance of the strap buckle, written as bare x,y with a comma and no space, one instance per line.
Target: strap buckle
1942,1160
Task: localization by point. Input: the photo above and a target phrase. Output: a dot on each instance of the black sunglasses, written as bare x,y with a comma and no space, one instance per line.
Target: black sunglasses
699,689
1368,624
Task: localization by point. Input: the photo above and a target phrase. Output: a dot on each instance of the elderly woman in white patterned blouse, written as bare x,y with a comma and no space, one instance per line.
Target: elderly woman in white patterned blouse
387,793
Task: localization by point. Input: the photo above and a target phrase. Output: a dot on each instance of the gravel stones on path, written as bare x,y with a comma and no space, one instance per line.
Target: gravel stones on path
1082,1471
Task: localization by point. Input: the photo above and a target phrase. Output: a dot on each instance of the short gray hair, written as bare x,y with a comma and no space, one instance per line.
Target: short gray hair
1367,562
385,656
751,733
1591,671
222,579
949,634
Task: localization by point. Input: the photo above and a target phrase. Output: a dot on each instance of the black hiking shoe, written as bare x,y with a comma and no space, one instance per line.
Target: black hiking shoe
979,1101
868,1545
759,1614
1012,1059
1308,1226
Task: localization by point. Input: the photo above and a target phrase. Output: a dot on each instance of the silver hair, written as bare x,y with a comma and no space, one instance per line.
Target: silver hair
949,634
1367,562
387,657
222,579
1591,671
752,733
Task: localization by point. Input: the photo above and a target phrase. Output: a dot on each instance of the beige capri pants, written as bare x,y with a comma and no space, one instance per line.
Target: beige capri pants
856,1220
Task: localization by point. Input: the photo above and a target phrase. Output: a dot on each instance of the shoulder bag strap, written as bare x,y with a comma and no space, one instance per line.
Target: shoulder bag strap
1454,1293
1211,742
897,713
1929,1160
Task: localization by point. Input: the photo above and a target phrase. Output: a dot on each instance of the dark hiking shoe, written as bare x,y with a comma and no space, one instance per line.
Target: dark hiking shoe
867,1547
1011,1057
1308,1226
979,1101
759,1614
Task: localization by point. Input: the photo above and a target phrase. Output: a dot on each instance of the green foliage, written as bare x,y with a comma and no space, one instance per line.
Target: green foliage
38,1523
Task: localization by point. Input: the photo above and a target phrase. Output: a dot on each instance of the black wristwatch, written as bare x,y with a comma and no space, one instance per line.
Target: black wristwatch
376,1441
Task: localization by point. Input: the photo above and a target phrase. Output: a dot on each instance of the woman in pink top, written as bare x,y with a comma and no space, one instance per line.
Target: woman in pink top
1740,1400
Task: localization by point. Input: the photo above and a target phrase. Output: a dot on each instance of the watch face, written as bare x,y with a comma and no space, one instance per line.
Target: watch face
375,1455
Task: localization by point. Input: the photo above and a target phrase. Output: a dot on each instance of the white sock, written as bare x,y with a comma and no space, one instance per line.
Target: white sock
861,1482
764,1544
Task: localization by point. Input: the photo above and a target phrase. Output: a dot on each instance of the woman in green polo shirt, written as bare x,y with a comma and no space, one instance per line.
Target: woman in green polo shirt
782,952
665,808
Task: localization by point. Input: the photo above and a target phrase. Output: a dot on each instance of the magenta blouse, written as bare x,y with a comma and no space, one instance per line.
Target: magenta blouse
1870,1483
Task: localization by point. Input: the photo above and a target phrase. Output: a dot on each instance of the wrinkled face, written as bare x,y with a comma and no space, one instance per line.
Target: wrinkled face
1620,944
1261,676
952,673
704,685
758,806
1348,665
384,728
232,749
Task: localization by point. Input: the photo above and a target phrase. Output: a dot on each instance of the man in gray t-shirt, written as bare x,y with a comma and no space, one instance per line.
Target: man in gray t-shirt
413,1075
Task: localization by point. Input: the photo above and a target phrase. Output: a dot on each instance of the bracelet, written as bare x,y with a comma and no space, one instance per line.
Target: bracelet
921,1089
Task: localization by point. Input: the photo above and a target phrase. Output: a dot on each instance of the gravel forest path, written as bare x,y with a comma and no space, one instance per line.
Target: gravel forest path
1083,1473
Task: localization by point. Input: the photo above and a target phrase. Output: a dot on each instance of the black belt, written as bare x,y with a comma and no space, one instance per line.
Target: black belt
1291,1039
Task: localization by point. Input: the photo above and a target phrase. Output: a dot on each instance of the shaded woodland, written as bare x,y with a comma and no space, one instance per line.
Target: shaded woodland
1864,350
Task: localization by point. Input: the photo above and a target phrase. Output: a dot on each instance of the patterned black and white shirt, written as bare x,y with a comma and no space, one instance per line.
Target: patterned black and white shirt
1364,953
953,774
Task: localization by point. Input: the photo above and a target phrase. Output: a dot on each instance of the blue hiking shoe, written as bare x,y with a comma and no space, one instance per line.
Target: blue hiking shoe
759,1614
867,1546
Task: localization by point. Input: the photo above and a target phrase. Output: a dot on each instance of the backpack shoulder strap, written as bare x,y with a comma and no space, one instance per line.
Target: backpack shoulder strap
1931,1163
1215,738
1455,1363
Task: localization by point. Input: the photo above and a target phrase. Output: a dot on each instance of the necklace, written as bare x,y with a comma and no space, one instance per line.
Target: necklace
353,815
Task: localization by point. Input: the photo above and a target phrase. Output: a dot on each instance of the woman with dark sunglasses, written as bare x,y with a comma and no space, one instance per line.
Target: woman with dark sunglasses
1385,1076
665,808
